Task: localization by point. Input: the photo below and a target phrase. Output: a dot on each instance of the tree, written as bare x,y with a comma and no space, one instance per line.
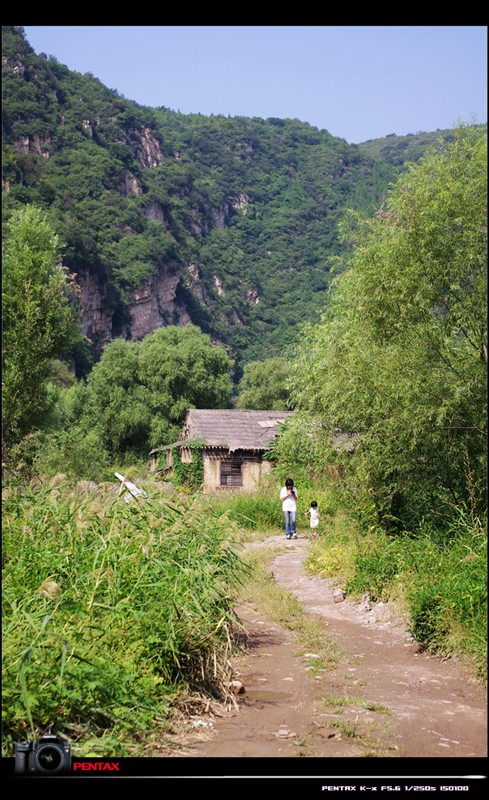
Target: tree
139,392
181,368
264,385
117,401
38,322
400,357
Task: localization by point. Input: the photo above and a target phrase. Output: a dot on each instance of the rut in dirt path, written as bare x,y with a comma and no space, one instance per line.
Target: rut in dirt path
395,700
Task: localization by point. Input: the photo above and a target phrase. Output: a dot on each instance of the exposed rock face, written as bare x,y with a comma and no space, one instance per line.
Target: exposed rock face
131,184
87,127
153,305
16,67
241,202
149,152
246,147
34,144
154,212
96,319
218,285
220,217
194,283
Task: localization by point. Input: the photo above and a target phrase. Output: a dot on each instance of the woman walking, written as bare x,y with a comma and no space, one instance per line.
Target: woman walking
288,496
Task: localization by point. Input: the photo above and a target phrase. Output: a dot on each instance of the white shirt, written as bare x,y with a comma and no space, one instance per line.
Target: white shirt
289,501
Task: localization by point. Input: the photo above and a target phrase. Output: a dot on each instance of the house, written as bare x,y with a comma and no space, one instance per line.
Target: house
232,442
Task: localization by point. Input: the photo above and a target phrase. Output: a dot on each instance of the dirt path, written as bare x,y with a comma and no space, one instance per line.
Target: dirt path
397,702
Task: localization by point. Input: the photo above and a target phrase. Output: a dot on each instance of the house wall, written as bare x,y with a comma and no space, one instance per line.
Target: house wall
252,471
212,473
186,455
155,460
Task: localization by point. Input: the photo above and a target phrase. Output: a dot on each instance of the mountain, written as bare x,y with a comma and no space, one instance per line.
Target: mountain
226,222
397,150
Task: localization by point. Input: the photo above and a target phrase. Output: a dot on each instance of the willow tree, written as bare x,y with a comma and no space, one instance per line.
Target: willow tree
264,384
399,358
139,392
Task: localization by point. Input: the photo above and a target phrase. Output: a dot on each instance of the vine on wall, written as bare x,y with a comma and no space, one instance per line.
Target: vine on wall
190,474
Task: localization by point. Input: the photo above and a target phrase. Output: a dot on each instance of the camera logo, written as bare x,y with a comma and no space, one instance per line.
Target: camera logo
48,755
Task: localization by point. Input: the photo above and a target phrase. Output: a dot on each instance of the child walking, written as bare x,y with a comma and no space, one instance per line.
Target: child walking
313,513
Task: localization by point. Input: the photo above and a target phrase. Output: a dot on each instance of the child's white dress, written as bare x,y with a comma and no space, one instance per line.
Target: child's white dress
313,517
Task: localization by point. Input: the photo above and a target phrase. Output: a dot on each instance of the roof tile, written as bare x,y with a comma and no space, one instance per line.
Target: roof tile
233,428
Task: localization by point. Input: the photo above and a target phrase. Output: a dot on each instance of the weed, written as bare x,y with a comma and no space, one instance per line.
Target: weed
348,700
351,731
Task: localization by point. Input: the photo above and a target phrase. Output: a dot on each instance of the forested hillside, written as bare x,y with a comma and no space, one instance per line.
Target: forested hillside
396,150
228,223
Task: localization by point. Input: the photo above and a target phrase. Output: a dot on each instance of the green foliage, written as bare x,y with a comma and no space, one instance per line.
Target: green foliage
435,577
117,399
73,439
76,452
110,611
398,150
38,322
135,398
181,368
264,385
256,512
400,356
243,212
302,449
138,394
252,511
189,474
441,575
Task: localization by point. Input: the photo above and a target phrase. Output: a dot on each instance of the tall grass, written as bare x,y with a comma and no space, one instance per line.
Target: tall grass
114,611
110,611
259,511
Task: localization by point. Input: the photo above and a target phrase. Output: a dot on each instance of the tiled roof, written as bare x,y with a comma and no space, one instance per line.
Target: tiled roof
236,430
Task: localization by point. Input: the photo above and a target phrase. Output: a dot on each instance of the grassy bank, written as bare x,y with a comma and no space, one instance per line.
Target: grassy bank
437,577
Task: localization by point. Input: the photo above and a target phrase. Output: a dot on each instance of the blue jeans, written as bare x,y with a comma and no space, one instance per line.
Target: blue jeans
290,523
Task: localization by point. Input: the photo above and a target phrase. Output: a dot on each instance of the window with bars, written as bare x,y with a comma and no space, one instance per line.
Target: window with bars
231,472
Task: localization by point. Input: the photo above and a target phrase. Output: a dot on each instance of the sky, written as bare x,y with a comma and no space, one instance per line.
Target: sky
356,82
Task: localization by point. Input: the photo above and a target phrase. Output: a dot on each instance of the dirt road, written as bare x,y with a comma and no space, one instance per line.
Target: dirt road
384,700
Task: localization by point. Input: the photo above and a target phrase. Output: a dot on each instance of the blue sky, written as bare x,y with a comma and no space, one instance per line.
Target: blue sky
357,82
